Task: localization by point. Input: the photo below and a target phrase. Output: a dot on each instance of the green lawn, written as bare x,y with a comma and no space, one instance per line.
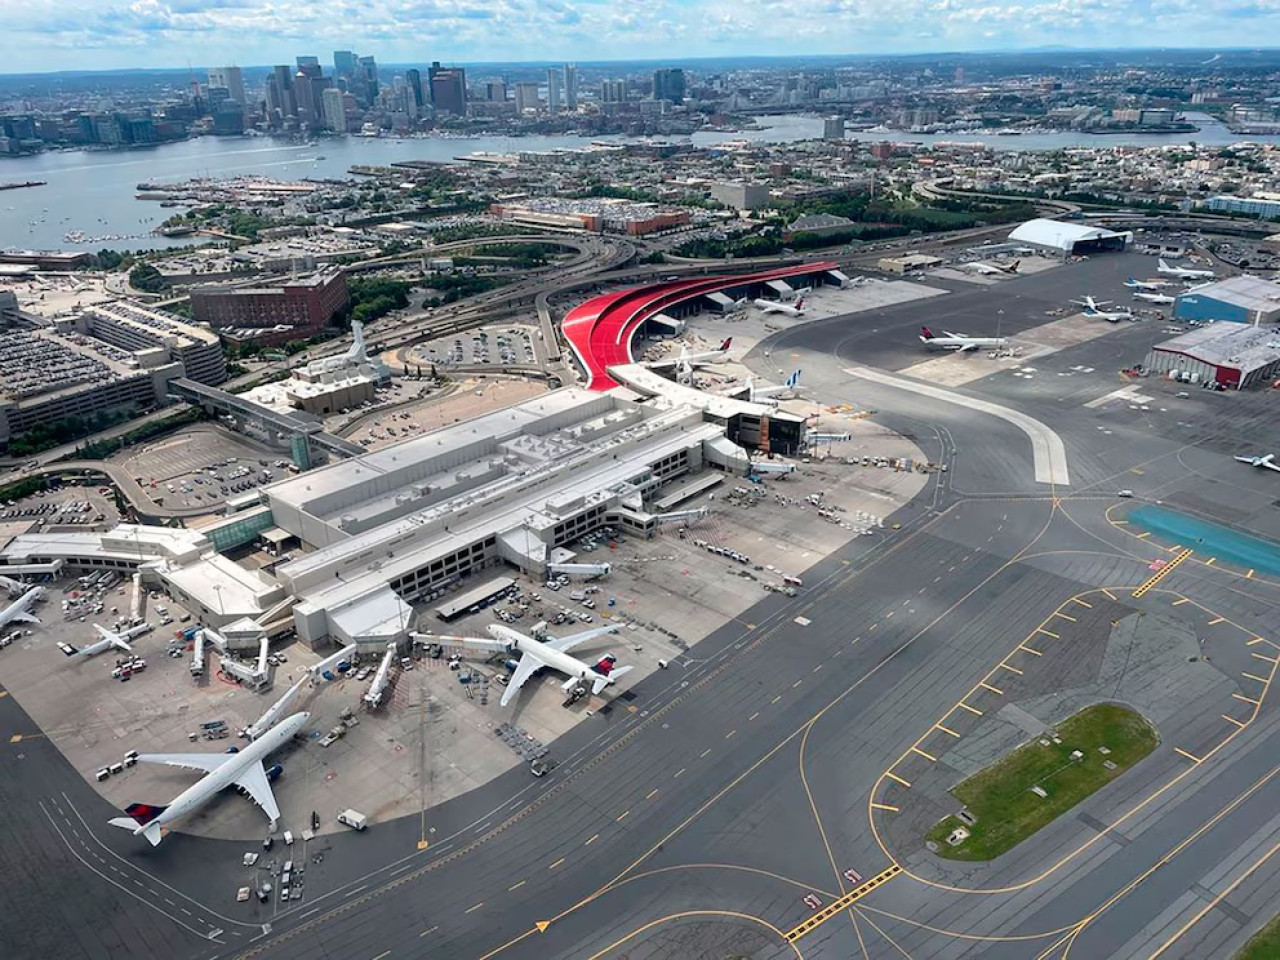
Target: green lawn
1000,796
1265,944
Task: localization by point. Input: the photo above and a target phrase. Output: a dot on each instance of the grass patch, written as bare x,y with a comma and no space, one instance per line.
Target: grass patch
1263,945
1000,796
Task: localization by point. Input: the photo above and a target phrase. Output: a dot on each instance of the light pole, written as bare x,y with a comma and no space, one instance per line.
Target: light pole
217,587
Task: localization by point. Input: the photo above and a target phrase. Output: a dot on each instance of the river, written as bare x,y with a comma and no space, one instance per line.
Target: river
93,192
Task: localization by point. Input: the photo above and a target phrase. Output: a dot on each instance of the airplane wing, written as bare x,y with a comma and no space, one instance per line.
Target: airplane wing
528,665
965,348
26,617
254,782
1245,459
1271,465
204,762
954,336
565,644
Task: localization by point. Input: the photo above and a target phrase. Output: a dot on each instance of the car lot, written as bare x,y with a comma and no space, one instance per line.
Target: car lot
64,507
495,346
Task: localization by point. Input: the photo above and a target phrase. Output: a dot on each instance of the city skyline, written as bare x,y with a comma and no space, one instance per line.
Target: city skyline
41,36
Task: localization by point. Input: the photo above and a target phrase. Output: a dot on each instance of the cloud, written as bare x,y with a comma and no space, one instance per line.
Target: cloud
52,35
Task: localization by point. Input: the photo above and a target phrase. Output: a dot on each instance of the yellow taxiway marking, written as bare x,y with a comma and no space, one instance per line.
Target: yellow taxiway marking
947,730
1059,613
703,754
678,772
516,886
1209,562
1254,642
594,838
797,683
753,716
1083,603
651,794
475,908
1163,572
1261,657
422,844
1108,593
1011,669
429,931
3,694
884,806
731,733
1190,756
16,738
541,925
1143,535
974,710
1121,523
986,686
1180,601
1023,646
776,699
1241,696
1047,633
1238,723
893,776
1249,575
384,953
622,816
556,864
1217,620
927,756
837,907
1254,676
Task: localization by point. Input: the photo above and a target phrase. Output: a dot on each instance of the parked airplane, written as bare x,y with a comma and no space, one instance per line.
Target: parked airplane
1133,284
759,394
244,770
1093,308
536,654
16,588
1267,462
1187,273
1155,297
790,309
991,269
109,641
20,609
958,342
689,359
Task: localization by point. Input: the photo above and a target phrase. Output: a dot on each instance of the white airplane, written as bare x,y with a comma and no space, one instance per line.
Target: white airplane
690,359
16,588
20,609
759,394
1267,462
1155,297
1093,308
958,342
1186,273
274,712
1133,284
244,770
790,309
992,269
109,641
536,654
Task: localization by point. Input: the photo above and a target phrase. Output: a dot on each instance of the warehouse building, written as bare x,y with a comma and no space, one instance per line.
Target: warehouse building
1058,238
1230,354
1238,299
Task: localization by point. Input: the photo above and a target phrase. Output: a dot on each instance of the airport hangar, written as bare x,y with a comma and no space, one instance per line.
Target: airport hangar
409,521
1064,239
1243,299
1232,354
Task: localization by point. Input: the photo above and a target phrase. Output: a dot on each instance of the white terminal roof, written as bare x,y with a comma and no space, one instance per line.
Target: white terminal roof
1058,234
1252,293
1232,345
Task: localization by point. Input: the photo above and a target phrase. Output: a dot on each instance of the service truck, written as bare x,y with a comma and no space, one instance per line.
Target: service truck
353,819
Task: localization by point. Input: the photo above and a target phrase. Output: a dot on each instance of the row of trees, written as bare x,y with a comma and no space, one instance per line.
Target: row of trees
54,433
374,297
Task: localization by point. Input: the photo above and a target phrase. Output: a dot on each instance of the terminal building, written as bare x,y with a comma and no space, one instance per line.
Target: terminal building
1238,299
1062,239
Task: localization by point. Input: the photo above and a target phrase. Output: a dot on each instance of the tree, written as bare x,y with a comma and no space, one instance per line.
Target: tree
148,279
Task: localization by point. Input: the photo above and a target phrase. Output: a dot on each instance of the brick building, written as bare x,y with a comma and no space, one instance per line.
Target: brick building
295,310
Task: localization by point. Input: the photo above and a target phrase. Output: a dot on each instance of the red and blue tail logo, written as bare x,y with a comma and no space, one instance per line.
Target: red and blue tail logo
144,813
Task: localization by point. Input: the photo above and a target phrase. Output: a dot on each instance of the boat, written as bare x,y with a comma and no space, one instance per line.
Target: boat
20,186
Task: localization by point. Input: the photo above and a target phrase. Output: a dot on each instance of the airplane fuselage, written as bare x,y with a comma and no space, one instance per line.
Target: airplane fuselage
557,660
20,606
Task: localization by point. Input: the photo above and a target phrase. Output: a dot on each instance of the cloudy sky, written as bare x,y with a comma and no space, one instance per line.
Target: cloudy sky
38,35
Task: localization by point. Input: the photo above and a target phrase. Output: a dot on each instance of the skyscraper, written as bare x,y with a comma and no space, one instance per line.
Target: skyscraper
344,63
367,72
280,91
668,84
554,81
496,91
310,66
448,88
231,78
613,91
527,97
302,97
334,109
413,79
570,87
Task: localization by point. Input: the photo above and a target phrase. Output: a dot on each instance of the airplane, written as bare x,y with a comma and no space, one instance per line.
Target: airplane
1093,308
1133,284
16,588
992,269
758,394
1267,462
20,609
109,640
1186,273
1155,297
536,654
790,309
959,342
689,359
244,770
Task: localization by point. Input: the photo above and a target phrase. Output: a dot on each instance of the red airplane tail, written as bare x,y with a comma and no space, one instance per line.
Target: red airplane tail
728,342
928,334
606,665
143,813
800,304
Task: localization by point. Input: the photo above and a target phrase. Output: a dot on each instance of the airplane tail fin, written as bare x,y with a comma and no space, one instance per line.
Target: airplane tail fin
1163,265
794,379
800,304
143,813
599,683
728,342
927,334
1014,268
141,820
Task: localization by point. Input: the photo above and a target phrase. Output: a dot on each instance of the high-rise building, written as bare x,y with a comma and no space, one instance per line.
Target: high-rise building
613,91
496,91
280,91
231,78
448,88
570,87
555,80
367,74
833,128
344,63
302,97
334,110
527,97
310,66
668,84
413,79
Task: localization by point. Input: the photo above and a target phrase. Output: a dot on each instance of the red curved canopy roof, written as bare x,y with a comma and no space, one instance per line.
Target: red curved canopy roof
600,330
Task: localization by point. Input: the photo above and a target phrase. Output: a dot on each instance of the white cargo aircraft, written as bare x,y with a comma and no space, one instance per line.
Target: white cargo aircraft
1093,308
536,654
244,770
20,609
1133,284
959,342
108,640
789,309
1186,273
1266,462
992,269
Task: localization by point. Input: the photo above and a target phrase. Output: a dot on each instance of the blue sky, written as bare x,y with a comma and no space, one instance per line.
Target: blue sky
107,34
